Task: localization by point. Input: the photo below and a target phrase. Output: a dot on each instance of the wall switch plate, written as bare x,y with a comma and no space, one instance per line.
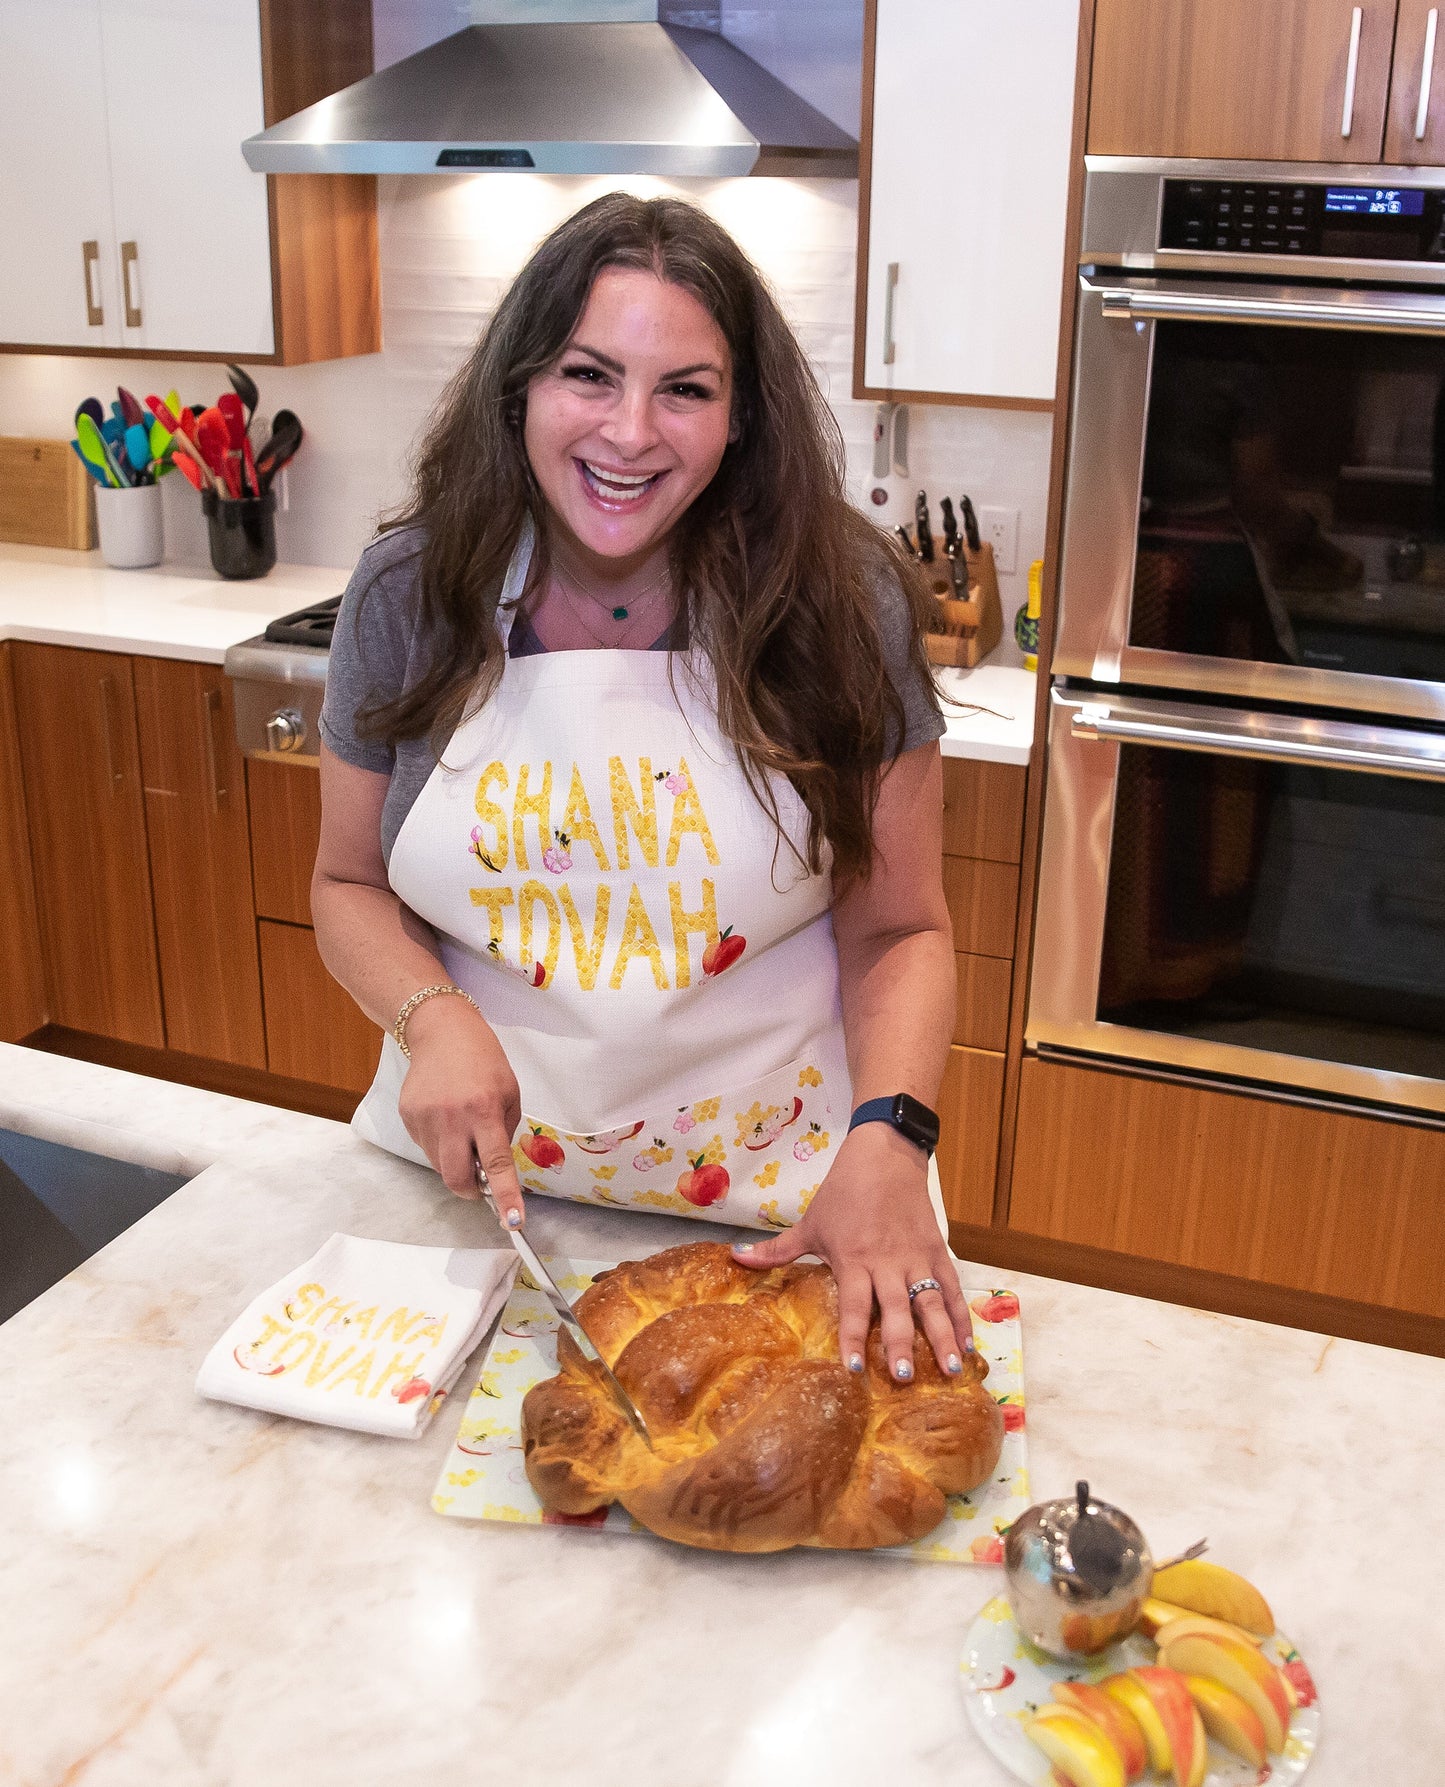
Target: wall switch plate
1000,527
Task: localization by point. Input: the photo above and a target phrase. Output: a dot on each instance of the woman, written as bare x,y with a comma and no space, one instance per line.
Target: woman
631,788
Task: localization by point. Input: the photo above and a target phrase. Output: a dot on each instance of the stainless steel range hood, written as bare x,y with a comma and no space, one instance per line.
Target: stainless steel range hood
610,87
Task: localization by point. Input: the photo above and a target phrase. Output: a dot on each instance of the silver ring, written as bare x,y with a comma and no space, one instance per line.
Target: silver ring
484,1184
923,1284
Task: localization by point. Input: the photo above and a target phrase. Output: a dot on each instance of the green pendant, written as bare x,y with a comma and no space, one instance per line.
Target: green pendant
619,614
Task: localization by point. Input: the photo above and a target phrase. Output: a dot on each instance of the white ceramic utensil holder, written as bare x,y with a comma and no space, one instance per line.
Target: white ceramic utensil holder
129,523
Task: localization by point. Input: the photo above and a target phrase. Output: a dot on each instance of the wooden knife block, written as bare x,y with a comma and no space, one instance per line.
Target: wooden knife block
964,633
45,495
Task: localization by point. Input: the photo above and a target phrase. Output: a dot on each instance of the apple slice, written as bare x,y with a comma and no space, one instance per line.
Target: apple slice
1154,1614
1170,1699
1240,1668
1076,1746
1203,1587
1189,1625
1228,1719
1112,1717
1131,1696
1201,1753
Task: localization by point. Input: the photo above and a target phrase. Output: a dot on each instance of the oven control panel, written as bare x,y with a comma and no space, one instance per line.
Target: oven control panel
1356,222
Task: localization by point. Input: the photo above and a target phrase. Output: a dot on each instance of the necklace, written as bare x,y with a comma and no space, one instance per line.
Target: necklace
579,601
623,610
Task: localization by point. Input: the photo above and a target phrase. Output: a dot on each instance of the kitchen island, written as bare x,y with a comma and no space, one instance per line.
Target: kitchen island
202,1596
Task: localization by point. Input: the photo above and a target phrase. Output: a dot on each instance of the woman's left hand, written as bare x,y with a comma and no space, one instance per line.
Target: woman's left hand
872,1221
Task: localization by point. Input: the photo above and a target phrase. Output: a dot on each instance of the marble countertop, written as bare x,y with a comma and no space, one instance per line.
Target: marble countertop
989,712
208,1597
55,597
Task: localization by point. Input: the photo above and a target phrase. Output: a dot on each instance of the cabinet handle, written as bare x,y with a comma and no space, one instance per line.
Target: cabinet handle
109,716
1352,68
90,261
1427,73
890,286
129,255
211,708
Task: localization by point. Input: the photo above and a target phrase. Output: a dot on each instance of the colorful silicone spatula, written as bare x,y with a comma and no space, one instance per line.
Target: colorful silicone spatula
93,446
214,439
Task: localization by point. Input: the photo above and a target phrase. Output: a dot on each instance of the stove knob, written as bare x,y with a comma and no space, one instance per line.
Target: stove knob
286,730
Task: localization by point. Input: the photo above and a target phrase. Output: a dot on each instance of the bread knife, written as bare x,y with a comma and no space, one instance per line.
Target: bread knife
565,1313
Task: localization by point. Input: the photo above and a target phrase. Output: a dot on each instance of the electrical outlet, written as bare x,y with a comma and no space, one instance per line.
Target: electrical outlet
1000,527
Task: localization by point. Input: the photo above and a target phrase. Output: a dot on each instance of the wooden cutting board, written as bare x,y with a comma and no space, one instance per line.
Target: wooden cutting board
44,495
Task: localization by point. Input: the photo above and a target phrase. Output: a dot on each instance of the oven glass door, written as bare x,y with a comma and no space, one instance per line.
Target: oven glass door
1273,518
1252,894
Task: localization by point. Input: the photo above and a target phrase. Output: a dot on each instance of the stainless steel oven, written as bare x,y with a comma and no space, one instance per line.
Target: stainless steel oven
1256,469
1243,859
1248,893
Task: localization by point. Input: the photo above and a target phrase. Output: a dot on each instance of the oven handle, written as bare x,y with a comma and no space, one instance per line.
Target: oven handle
1095,720
1348,311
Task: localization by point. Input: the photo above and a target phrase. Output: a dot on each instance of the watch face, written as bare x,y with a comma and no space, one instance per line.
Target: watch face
916,1121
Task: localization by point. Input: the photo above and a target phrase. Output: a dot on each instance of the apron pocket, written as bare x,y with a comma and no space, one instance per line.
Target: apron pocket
751,1157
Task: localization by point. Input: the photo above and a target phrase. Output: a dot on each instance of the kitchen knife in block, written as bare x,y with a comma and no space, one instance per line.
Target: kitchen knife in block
965,632
564,1311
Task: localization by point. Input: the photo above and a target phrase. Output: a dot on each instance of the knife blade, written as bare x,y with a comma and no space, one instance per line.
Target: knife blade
922,529
564,1311
950,527
970,525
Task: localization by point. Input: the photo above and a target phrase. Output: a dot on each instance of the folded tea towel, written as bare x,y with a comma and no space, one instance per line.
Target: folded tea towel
367,1334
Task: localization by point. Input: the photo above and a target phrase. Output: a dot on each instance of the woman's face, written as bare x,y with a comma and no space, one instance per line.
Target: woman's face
630,423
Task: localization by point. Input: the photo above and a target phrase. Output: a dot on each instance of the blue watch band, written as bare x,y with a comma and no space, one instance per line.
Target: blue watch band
914,1121
872,1110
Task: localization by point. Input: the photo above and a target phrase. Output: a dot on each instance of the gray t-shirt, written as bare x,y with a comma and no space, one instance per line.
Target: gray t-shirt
380,648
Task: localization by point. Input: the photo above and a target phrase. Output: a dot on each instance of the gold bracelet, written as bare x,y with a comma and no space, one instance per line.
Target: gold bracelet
398,1029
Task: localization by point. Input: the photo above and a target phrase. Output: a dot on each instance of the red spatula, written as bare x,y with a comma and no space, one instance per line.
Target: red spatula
214,439
231,407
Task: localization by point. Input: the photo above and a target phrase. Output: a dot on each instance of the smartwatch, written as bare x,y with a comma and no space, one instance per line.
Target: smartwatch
908,1115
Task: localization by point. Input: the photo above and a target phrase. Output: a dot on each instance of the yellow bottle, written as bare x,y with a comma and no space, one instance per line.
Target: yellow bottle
1026,621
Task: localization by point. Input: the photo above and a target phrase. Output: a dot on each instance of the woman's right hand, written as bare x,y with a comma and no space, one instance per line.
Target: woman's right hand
460,1096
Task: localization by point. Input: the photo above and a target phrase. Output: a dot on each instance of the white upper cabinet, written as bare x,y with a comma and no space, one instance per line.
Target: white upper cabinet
963,219
192,226
57,248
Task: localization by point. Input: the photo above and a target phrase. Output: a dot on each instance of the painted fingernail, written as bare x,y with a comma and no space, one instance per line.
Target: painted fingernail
903,1369
968,1345
742,1247
954,1362
514,1219
855,1361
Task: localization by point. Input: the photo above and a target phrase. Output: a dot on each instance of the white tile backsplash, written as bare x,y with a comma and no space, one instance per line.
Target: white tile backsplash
449,245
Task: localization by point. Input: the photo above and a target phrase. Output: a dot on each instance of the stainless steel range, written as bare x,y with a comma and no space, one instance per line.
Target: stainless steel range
279,681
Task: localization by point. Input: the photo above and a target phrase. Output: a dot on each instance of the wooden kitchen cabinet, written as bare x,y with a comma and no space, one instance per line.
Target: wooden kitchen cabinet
983,806
314,1029
1415,133
1231,79
968,109
969,1103
200,860
144,238
75,713
285,800
1284,1194
22,972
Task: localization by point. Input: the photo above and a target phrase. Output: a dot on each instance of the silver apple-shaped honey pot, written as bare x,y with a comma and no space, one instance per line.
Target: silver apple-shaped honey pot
1078,1574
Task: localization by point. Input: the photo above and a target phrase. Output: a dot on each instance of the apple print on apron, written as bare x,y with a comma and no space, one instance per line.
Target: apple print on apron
657,962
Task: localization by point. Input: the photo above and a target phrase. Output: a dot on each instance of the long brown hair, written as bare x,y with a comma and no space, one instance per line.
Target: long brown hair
778,571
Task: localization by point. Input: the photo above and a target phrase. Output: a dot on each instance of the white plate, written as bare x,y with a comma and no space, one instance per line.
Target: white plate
1005,1678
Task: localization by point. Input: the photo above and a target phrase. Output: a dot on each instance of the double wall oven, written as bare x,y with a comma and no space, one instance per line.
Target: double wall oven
1243,867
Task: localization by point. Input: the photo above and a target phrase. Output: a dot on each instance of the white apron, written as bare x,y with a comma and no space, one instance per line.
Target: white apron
658,966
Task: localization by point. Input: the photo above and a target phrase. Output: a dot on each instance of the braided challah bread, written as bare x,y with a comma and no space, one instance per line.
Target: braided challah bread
762,1439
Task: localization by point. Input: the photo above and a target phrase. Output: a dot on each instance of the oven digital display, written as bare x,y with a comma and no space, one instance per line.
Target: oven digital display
1376,201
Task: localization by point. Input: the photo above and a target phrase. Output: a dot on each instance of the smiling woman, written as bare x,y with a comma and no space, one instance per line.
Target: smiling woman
631,786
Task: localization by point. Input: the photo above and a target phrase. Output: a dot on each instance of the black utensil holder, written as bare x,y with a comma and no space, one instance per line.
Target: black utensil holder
242,533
